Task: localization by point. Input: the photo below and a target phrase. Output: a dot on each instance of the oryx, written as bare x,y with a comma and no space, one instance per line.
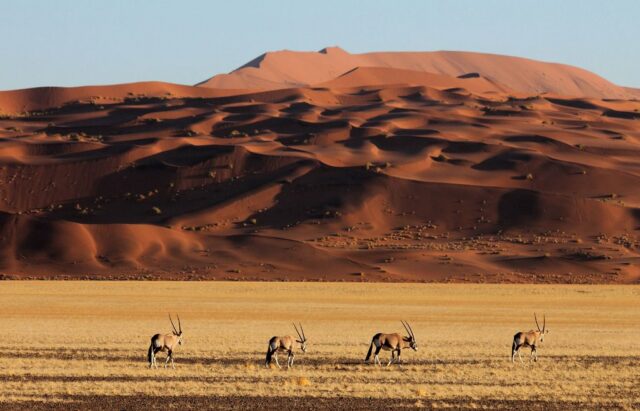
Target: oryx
392,342
286,343
529,339
165,342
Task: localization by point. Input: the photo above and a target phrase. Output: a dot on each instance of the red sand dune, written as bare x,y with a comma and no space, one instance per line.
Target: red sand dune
379,173
282,69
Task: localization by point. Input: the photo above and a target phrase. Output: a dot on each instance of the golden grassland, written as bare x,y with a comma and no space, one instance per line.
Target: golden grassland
69,342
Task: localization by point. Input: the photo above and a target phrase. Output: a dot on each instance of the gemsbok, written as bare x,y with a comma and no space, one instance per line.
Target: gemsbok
392,342
286,343
165,342
529,339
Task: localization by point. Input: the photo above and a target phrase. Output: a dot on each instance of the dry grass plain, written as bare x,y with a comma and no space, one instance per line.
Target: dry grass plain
82,345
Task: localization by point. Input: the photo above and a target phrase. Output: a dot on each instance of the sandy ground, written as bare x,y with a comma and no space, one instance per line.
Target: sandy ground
82,345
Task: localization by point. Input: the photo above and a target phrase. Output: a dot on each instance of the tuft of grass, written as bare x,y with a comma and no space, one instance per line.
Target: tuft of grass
302,382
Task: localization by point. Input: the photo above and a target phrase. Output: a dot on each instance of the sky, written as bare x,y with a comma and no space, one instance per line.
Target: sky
82,42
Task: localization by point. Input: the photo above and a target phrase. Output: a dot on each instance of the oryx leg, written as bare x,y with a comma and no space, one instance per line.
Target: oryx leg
376,358
290,359
276,358
154,358
166,362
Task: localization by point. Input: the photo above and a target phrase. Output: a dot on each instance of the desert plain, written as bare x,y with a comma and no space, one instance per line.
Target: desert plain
79,345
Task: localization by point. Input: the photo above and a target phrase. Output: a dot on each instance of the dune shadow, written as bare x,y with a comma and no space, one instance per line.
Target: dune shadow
518,207
532,138
465,147
573,103
507,160
625,115
404,144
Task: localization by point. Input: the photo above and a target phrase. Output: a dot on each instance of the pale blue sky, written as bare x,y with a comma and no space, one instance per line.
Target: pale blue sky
66,43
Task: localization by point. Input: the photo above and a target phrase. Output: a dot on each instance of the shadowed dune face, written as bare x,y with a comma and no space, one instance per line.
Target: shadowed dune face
429,181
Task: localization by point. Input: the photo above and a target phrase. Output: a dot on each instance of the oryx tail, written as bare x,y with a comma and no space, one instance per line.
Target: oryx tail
369,352
150,353
371,347
269,354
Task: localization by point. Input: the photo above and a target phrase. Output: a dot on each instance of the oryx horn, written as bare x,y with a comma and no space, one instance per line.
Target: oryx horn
408,328
173,325
301,336
304,337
